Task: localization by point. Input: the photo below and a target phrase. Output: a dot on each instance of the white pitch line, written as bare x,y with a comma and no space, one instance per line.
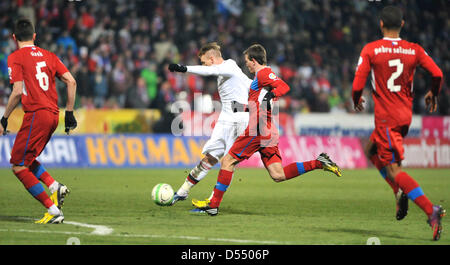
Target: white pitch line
229,240
102,230
43,231
98,229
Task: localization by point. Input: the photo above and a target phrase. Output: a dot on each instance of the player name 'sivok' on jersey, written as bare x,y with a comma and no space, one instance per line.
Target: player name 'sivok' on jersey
392,63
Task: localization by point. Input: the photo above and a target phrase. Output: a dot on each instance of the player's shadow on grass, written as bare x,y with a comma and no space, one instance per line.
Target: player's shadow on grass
229,211
240,211
21,219
368,233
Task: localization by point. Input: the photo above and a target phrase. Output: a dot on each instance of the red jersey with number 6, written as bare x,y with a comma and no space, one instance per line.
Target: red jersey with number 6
37,68
392,63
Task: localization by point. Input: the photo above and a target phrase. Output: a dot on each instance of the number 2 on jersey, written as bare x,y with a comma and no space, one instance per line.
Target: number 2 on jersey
42,77
398,71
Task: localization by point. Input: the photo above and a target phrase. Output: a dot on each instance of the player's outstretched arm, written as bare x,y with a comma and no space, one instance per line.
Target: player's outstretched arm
13,101
70,121
202,70
176,67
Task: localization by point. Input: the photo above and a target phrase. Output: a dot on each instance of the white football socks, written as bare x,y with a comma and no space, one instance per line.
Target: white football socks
53,210
201,170
53,187
185,188
198,173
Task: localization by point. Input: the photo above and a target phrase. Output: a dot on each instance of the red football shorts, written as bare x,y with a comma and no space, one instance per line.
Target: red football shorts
389,143
245,146
34,134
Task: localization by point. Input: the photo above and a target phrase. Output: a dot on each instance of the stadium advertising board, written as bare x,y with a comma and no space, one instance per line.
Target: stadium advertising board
344,124
436,127
168,151
132,150
98,121
427,152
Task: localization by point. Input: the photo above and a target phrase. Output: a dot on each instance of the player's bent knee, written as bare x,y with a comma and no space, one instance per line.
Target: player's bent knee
278,177
276,172
393,170
210,159
229,162
17,168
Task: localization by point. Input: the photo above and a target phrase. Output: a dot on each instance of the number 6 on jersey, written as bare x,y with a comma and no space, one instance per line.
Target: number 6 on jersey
42,77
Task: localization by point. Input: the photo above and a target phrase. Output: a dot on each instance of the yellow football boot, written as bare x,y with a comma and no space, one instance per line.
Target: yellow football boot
51,219
200,204
329,165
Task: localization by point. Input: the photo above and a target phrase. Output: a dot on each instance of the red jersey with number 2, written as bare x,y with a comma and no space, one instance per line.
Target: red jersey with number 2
37,68
392,63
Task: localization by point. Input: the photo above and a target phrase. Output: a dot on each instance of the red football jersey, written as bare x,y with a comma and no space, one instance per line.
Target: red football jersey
265,80
37,68
392,63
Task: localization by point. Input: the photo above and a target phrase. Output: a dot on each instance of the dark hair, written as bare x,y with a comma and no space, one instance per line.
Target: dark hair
392,17
23,29
210,46
257,52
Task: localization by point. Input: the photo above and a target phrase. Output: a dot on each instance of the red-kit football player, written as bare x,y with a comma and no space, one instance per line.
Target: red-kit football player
392,62
32,72
261,134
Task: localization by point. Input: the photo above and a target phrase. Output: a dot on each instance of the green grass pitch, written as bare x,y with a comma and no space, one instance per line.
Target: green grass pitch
114,207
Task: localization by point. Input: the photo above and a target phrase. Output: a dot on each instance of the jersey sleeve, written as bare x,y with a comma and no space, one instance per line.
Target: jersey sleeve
215,70
14,69
428,64
59,66
362,71
269,79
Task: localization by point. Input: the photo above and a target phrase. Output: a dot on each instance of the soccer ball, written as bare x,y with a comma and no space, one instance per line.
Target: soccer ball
162,194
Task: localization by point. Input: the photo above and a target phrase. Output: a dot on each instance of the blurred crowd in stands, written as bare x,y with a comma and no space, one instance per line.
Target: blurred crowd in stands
119,50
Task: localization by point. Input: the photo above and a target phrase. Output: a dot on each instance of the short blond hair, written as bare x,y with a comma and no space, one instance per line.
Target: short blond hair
212,46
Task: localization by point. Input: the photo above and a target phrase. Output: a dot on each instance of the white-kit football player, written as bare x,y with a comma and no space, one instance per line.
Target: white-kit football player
233,87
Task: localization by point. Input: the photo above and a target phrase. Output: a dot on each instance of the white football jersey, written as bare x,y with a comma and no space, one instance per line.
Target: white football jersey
233,85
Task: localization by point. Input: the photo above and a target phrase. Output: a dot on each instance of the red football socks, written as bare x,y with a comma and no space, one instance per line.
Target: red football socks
223,181
377,163
42,174
415,193
34,187
296,169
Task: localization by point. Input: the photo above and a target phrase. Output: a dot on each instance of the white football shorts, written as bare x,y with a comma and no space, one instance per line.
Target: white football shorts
222,138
